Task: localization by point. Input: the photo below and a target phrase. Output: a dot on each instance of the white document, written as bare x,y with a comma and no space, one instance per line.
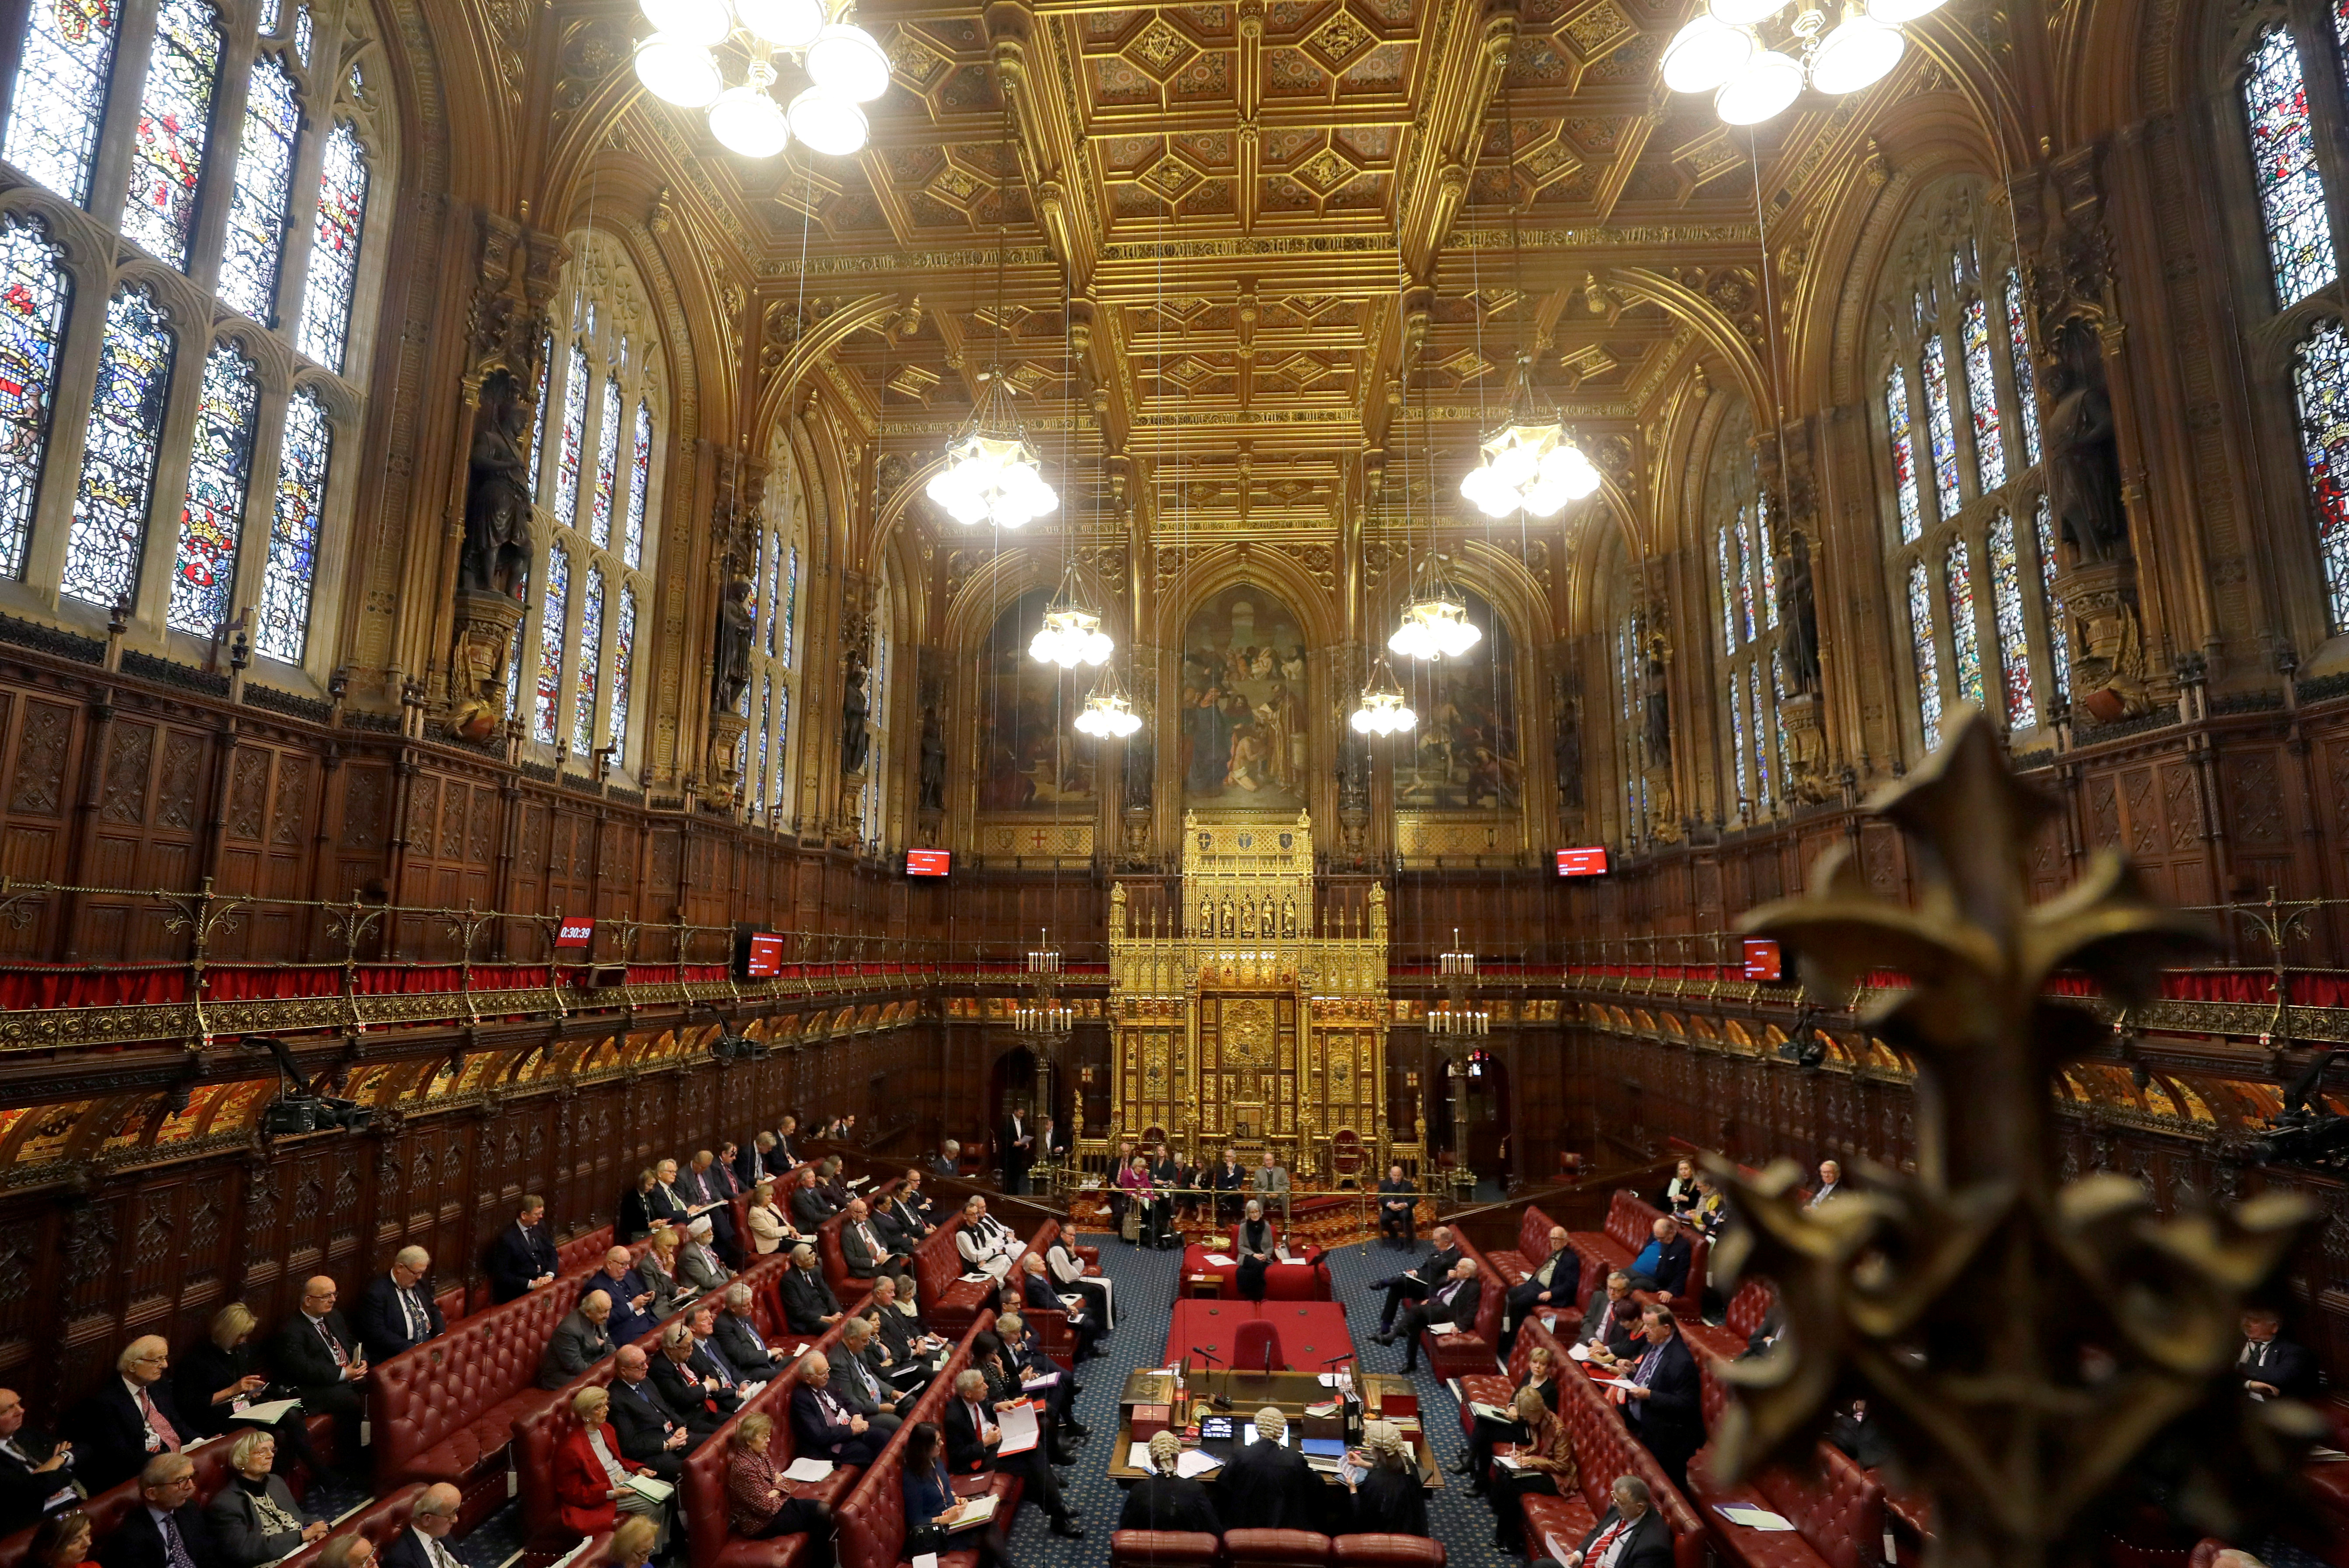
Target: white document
1490,1412
807,1470
1579,1353
1753,1518
1030,1385
859,1181
973,1511
1511,1460
1556,1549
651,1487
1249,1434
1327,1380
270,1414
925,1560
1138,1457
1196,1462
979,1279
1440,1329
1615,1383
1548,1321
1020,1430
1217,1260
749,1391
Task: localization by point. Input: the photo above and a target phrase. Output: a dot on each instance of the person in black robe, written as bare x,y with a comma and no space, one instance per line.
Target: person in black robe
1267,1485
1166,1501
1387,1499
1256,1240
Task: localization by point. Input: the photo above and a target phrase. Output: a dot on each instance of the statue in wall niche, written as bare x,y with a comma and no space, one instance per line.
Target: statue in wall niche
1658,708
933,761
1798,645
1139,760
855,707
735,624
495,557
1567,752
2084,470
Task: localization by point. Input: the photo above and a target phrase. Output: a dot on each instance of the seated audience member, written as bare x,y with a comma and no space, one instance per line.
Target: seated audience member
317,1354
352,1550
1710,1212
786,1154
1173,1184
822,1426
1398,1210
1630,1534
1270,1182
1543,1462
522,1258
582,1339
653,1432
254,1518
1766,1334
1023,1352
1861,1439
1165,1500
591,1479
1664,1406
760,1503
710,1358
1680,1192
1071,1275
730,1154
1414,1283
1137,1189
1662,1265
706,1200
949,1160
171,1531
1554,1286
664,1203
859,1388
897,1338
1455,1303
62,1541
770,1228
424,1542
632,1299
810,1207
698,1267
706,1400
1541,1378
212,1378
739,1339
636,1217
1039,1294
1626,1339
1388,1500
633,1544
129,1418
933,1512
2274,1367
1830,1184
396,1311
1004,1375
861,1244
902,1215
1596,1317
972,1438
809,1305
754,1164
658,1272
1257,1243
833,1180
1266,1484
987,1244
36,1471
1229,1182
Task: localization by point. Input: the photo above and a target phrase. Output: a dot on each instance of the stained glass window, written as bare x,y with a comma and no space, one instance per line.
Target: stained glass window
1728,598
1904,453
538,401
303,34
553,620
766,736
1938,426
1981,398
2043,529
269,15
624,669
640,479
255,256
1761,733
591,650
1965,640
790,600
1922,653
782,732
607,462
326,295
118,464
203,569
174,115
2006,609
295,527
34,291
2320,378
575,427
1737,738
1745,577
1778,714
2018,348
1768,552
2284,162
513,672
59,99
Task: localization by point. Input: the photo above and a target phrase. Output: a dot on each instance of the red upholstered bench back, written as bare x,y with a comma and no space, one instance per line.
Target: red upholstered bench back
1165,1549
1533,1235
421,1397
379,1521
1748,1306
583,1251
873,1517
1604,1448
109,1509
1835,1506
1630,1218
936,1263
1386,1552
536,1440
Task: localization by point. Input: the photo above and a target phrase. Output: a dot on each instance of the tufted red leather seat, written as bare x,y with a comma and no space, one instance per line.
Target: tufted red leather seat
1496,1387
1837,1508
1473,1350
872,1517
950,1303
379,1521
1747,1308
536,1437
1277,1548
1384,1550
1514,1263
1164,1548
1060,1343
110,1508
1630,1221
1604,1449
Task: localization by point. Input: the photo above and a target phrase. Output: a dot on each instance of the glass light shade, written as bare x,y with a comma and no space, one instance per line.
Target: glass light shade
1745,13
1108,715
786,23
846,59
1382,713
1899,11
1069,637
991,479
679,72
828,123
747,119
1769,82
1532,466
703,22
1857,54
1705,54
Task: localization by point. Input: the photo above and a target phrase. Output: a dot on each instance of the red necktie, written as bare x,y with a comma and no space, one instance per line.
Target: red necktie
156,1424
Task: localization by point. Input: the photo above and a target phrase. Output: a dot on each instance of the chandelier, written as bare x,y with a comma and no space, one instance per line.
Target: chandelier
679,64
1457,960
1453,1019
1042,1013
1435,623
1071,634
1108,714
992,473
1753,72
1383,709
1530,463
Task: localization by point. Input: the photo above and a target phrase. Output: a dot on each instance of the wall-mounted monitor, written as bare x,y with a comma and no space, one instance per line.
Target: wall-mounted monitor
763,954
1765,960
928,862
1582,862
575,933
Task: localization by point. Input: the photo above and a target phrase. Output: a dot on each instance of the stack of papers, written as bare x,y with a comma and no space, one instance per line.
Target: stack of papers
807,1470
269,1414
1217,1260
1020,1430
1194,1462
1753,1518
1490,1412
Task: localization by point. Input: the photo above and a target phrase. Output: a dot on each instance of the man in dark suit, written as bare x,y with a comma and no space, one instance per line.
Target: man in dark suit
631,1298
2273,1366
1863,1441
756,1163
1595,1319
860,1390
1037,1295
785,1155
317,1354
129,1419
895,1335
1554,1286
1830,1184
1631,1529
948,1161
582,1339
651,1430
703,1396
972,1436
1018,1151
1665,1408
665,1202
729,1179
1230,1187
824,1428
809,1305
1413,1284
169,1531
869,1255
710,1359
1051,1141
902,1215
36,1471
1173,1185
810,1207
1662,1265
703,1187
522,1258
737,1336
396,1311
1266,1484
1398,1209
424,1542
1455,1301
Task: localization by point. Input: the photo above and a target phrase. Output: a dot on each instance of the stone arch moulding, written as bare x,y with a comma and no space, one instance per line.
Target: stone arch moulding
1219,567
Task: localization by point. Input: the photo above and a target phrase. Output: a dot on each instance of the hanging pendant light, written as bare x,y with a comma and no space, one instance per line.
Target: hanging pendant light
1530,463
1108,714
1756,61
992,473
1071,634
1382,710
681,64
1435,623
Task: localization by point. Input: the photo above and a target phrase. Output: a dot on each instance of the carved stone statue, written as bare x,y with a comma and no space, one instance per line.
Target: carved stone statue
496,558
933,761
855,739
1658,708
2083,470
1798,614
1567,752
1139,761
735,626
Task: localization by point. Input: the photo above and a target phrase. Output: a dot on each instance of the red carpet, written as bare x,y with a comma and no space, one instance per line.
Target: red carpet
1282,1282
1310,1332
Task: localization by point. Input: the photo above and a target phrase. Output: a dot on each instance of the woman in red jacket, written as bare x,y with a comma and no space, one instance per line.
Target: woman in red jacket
591,1489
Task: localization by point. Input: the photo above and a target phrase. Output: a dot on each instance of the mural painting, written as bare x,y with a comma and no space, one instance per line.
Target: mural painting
1033,762
1243,729
1464,755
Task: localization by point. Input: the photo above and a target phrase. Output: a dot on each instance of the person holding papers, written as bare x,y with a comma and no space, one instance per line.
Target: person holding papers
987,1244
1266,1484
591,1479
936,1520
1166,1501
1387,1499
705,1399
975,1444
1541,1378
37,1473
824,1428
1554,1286
664,1202
218,1384
1413,1284
1455,1301
522,1258
1071,1275
1023,1347
857,1387
1004,1378
1664,1406
1543,1462
254,1518
1038,1293
759,1501
657,1270
1631,1534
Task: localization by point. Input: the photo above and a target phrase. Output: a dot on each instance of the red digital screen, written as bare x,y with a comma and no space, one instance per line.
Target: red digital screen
928,862
574,933
1763,960
766,959
1582,862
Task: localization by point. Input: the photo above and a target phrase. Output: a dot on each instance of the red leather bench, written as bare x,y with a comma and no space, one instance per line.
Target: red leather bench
950,1302
1498,1388
1514,1263
1837,1508
872,1519
1476,1349
1630,1221
1163,1549
1603,1450
1277,1548
110,1508
379,1521
1381,1550
1746,1310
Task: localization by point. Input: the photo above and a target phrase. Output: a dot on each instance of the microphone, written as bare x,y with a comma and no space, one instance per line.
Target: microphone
1268,1358
1222,1401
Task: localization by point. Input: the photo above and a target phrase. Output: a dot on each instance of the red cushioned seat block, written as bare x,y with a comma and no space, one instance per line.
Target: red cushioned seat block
1509,1266
1277,1548
1163,1549
1384,1550
1467,1354
442,1410
1569,1518
379,1521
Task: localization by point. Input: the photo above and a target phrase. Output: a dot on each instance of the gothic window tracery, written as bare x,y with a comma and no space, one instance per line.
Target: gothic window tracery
774,573
1746,553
